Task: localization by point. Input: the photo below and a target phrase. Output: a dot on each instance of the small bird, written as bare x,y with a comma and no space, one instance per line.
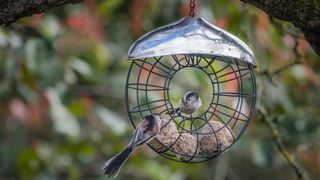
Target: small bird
189,104
145,131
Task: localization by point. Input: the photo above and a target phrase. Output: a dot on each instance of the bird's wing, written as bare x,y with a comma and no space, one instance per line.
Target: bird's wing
140,135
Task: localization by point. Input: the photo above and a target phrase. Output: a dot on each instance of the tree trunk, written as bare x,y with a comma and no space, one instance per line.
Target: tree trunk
304,14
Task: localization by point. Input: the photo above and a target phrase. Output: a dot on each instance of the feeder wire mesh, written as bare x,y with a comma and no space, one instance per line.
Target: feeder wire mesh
189,138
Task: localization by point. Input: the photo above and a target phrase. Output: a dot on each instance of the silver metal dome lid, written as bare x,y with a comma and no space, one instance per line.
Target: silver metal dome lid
192,35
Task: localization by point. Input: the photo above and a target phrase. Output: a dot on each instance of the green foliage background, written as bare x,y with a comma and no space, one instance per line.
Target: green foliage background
62,80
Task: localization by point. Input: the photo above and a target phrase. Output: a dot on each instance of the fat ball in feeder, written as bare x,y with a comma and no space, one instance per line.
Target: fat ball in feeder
186,148
166,138
216,138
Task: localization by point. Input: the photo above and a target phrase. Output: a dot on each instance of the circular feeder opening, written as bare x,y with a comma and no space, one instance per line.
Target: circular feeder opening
191,79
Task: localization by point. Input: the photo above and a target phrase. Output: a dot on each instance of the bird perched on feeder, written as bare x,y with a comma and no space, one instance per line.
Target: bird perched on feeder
189,104
146,130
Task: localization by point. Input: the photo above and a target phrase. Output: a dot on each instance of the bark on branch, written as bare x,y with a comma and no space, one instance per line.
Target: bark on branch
11,11
304,14
276,136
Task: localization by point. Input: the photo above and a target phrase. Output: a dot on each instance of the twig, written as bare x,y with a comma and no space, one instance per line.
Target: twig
269,122
98,91
287,66
297,55
283,31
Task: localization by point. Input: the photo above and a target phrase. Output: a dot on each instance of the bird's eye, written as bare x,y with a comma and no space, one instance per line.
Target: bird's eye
188,99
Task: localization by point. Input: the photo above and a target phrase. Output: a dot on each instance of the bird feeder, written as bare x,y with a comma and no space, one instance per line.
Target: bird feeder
227,63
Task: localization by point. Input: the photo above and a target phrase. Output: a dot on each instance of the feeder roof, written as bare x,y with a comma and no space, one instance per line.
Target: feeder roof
192,35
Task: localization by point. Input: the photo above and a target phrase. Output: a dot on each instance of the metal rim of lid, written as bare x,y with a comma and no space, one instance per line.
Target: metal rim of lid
194,36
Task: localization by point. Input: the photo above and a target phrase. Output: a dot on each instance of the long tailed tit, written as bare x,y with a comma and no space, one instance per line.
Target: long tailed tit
189,104
146,130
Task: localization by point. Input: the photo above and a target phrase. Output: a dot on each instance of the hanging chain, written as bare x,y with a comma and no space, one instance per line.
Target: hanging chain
192,5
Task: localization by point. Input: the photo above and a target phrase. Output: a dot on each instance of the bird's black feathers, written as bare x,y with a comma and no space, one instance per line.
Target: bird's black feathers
151,120
112,167
149,117
190,94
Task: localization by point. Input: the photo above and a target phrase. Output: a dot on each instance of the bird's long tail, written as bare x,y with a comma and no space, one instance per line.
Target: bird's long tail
173,111
112,166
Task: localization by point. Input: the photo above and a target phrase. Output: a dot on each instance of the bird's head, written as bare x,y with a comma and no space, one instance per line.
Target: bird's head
153,117
190,97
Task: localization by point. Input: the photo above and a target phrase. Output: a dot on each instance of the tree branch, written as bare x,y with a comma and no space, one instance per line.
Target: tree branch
297,60
269,122
304,14
11,11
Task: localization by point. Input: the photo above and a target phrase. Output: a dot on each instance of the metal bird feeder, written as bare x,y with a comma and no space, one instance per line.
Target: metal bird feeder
226,61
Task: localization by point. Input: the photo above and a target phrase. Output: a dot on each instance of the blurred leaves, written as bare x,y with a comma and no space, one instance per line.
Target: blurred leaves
63,121
111,119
